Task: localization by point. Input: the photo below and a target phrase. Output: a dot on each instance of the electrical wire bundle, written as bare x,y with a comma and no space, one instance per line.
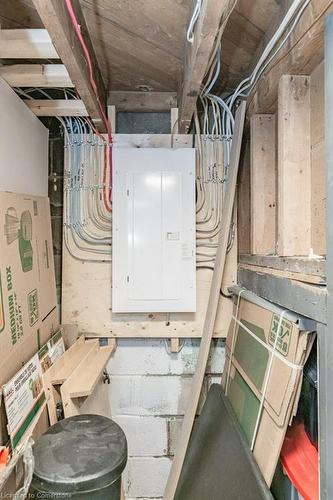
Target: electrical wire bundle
214,131
87,181
87,214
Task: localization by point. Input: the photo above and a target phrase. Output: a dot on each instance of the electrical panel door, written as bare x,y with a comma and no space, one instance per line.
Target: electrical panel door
153,257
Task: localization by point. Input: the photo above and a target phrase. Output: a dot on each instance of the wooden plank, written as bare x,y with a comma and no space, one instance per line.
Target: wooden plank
174,120
208,327
313,266
57,107
57,21
263,181
244,199
197,57
301,55
307,300
140,46
65,365
26,44
36,75
318,188
174,345
143,101
294,166
84,380
112,116
58,373
304,278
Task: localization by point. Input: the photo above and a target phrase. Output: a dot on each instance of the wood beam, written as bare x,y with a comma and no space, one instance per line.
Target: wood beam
294,166
197,56
59,25
143,101
57,107
26,44
36,75
302,298
263,180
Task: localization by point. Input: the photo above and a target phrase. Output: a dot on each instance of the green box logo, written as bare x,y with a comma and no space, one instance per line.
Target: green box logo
284,335
33,307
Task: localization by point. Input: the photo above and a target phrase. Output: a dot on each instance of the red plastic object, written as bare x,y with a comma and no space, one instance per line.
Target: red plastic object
300,461
4,454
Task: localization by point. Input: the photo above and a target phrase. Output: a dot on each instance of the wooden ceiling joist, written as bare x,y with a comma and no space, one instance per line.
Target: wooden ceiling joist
57,107
57,21
36,75
26,44
143,101
197,55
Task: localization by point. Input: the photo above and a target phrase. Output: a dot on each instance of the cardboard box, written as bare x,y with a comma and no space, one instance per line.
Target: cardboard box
248,371
48,327
24,398
27,281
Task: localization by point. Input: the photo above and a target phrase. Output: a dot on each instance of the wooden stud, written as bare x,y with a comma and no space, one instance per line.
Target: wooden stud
143,101
57,21
263,181
244,200
208,327
197,56
174,120
36,75
294,166
112,116
26,44
318,188
174,345
57,107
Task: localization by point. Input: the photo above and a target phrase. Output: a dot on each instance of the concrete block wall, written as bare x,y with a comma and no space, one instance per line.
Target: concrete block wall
149,391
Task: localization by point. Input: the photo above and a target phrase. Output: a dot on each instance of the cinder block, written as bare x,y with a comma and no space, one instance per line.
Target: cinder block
160,395
152,357
146,436
149,395
146,477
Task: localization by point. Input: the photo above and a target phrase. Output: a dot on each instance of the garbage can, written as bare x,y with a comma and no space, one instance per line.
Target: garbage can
80,457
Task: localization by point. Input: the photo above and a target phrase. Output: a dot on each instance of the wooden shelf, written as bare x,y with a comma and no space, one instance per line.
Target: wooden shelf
85,378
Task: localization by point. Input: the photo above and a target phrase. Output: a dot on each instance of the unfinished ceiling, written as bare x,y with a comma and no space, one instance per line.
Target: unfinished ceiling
140,43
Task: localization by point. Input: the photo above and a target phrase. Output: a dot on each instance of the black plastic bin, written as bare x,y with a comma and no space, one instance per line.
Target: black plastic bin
308,406
80,457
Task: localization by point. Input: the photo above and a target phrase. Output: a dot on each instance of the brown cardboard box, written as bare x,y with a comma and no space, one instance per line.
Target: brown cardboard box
48,327
27,282
249,368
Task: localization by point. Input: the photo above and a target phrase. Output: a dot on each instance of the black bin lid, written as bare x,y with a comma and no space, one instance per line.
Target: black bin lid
81,453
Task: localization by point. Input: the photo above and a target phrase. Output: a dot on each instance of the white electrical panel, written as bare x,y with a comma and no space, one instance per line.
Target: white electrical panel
153,257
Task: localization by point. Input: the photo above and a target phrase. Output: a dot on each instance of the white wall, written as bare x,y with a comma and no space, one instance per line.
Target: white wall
149,392
23,146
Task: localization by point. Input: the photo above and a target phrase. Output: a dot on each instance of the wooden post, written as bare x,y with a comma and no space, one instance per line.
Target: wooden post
263,181
243,200
112,116
214,295
174,120
294,166
174,345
